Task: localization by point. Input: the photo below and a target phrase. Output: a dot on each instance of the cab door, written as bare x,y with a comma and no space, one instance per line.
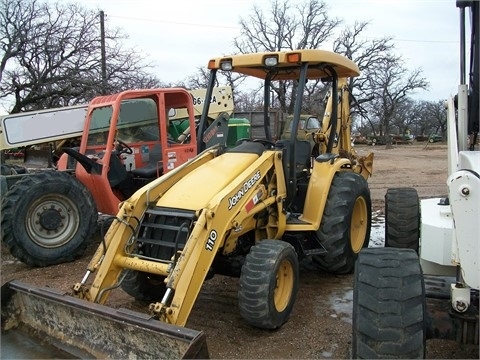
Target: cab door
176,151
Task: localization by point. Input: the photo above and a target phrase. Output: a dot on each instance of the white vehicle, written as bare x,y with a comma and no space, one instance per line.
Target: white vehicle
425,282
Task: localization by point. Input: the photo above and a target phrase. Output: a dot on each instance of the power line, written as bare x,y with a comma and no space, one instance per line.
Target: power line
237,28
175,22
429,41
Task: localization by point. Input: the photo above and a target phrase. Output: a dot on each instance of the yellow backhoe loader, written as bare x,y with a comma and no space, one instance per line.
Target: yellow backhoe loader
252,211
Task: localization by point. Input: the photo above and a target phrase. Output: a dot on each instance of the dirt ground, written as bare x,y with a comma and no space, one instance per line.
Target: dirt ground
320,324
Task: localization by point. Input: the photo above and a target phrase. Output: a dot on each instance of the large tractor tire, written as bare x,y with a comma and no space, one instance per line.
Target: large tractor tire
389,311
402,218
48,218
143,286
268,284
346,223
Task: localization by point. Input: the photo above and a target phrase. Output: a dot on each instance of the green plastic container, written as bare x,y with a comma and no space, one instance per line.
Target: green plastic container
238,128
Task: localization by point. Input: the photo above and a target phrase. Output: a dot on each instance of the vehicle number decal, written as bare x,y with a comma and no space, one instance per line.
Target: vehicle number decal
199,101
211,240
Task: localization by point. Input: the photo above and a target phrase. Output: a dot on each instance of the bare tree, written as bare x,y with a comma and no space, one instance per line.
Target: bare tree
391,86
436,117
51,56
286,26
406,117
300,26
199,79
368,54
249,100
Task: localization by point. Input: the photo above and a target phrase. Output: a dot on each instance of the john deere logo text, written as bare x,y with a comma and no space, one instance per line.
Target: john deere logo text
247,185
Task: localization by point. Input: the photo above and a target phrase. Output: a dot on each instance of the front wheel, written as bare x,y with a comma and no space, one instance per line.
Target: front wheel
268,284
143,286
346,223
48,218
388,319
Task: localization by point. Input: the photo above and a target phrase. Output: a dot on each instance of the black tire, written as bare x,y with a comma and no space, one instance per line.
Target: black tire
48,218
268,284
389,308
402,218
346,223
143,286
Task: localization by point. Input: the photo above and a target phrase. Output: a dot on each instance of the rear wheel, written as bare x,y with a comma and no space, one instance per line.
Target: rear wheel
388,305
402,218
268,284
346,223
48,218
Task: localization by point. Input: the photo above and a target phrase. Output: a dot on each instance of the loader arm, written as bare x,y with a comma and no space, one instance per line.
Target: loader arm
228,215
109,259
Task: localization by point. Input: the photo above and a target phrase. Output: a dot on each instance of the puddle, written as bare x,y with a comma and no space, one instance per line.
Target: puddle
329,354
377,232
341,304
340,300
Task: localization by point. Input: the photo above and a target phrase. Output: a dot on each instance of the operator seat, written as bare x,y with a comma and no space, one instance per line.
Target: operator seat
154,168
303,153
116,172
248,146
296,187
118,176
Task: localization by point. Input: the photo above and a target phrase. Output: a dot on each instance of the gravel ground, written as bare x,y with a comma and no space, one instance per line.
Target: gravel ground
320,324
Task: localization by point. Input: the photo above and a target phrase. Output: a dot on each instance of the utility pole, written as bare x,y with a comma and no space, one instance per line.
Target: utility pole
103,56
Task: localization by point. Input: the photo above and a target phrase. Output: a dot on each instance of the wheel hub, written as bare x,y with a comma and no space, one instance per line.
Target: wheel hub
359,225
51,219
284,285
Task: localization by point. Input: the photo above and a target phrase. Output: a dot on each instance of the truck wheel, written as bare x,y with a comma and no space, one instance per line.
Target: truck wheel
402,218
143,286
388,305
48,218
346,223
268,284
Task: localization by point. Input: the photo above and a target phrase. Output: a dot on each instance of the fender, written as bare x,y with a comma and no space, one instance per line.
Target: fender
317,192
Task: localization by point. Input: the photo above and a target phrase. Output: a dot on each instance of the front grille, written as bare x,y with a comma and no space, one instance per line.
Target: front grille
163,233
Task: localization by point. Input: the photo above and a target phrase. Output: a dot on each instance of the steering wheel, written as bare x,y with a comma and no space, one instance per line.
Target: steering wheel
122,147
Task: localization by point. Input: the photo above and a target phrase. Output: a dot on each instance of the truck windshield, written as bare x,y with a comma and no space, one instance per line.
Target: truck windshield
313,123
137,122
99,126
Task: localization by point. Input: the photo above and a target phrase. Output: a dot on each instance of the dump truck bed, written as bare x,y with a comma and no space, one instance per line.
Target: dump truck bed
79,329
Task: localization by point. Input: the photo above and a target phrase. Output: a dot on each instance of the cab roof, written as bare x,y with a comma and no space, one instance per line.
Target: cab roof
288,67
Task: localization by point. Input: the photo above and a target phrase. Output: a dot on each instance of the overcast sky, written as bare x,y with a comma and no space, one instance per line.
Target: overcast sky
181,35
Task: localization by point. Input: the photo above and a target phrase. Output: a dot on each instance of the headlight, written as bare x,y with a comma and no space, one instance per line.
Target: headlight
226,66
271,61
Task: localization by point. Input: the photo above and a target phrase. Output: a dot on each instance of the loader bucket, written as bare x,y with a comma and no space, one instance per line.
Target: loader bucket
63,326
